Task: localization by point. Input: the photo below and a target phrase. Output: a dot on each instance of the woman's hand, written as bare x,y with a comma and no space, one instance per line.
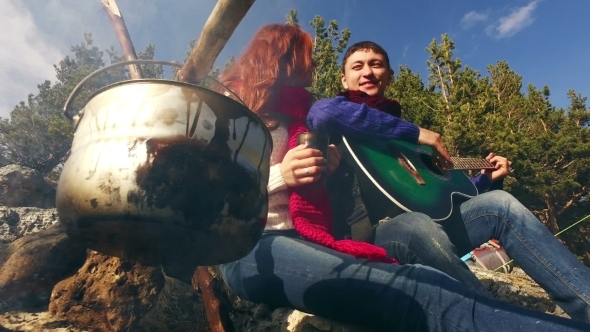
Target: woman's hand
333,158
302,165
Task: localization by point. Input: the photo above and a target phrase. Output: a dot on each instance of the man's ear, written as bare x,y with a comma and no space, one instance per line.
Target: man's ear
389,76
343,80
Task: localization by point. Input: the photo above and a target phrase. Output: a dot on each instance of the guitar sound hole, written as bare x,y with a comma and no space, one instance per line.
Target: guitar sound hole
428,163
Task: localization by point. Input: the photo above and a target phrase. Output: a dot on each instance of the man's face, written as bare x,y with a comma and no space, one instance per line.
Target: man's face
366,71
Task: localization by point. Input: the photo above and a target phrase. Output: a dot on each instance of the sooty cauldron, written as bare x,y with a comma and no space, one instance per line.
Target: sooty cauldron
165,172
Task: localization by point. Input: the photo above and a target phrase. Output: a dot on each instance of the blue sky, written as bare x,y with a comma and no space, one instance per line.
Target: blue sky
544,41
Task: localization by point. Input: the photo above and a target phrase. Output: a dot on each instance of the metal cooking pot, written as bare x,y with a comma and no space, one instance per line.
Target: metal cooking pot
165,172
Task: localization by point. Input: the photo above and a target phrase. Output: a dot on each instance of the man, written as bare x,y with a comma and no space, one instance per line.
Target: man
362,111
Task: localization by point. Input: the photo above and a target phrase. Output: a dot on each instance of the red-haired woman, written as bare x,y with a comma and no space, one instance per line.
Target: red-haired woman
297,262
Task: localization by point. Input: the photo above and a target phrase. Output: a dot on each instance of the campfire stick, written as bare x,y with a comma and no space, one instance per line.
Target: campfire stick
112,10
217,313
219,27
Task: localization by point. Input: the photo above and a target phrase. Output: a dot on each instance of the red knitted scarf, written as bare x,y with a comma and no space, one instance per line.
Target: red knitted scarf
309,205
389,106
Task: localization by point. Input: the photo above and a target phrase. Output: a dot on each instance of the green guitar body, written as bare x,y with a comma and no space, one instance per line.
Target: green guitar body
386,169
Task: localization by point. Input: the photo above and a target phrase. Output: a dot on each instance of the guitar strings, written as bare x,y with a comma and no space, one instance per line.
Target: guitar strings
459,163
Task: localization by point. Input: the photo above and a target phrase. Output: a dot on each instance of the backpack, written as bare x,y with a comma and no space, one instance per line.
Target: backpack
491,256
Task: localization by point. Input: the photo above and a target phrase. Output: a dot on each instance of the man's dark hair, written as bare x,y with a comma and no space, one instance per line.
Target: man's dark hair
364,46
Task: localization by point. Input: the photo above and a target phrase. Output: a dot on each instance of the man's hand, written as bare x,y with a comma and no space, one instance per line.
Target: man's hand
440,156
502,167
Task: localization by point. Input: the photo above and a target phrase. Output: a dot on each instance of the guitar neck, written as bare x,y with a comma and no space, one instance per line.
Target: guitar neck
470,163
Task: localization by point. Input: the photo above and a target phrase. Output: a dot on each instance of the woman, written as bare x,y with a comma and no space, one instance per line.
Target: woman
297,262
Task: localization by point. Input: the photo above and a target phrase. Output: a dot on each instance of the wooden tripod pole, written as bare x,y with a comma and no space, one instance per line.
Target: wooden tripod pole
219,27
112,10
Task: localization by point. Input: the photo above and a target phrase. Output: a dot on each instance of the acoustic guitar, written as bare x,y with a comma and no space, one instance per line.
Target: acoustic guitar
404,176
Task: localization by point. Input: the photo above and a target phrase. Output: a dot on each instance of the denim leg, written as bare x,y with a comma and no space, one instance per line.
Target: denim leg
284,271
497,214
413,238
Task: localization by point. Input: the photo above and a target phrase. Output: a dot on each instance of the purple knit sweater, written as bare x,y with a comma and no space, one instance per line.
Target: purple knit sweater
339,116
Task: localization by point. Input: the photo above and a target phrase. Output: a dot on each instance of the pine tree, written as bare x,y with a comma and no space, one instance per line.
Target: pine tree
329,43
38,135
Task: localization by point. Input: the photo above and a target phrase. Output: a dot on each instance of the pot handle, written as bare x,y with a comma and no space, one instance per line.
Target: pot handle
76,89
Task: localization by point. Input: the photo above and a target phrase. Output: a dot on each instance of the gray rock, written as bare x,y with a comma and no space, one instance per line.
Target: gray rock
519,289
33,264
291,320
20,221
23,186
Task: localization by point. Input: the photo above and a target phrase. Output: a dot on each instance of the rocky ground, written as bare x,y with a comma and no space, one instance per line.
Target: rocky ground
516,288
33,321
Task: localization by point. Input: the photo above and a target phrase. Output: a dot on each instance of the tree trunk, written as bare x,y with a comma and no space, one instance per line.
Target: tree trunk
551,217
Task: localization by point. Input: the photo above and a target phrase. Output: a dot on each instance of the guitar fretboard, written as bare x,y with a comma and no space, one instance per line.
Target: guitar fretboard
470,163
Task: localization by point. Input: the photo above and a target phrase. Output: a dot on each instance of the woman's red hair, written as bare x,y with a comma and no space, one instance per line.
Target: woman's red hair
278,55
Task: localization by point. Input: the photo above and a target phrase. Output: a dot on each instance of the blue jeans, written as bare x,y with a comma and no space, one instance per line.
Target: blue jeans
417,239
286,271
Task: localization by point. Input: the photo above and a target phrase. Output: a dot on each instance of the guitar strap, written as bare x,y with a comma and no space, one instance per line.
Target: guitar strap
360,225
351,219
